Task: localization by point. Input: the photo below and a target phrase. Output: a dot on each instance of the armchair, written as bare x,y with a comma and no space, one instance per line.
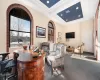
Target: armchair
56,57
45,46
79,49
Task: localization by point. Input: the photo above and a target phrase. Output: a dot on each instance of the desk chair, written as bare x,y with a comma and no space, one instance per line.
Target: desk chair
6,68
4,55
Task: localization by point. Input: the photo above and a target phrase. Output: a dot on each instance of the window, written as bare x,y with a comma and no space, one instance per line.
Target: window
50,32
19,31
19,26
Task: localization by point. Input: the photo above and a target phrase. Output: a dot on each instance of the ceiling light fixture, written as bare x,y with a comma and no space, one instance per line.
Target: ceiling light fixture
66,19
48,2
77,8
79,15
67,11
61,14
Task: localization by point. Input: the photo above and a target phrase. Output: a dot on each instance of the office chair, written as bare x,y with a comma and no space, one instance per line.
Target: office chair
6,68
4,55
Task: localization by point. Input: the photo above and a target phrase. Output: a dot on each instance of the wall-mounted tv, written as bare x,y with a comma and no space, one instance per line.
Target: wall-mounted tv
70,35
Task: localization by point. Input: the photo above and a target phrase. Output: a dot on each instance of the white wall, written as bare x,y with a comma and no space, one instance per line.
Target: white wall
83,33
39,20
73,28
83,30
87,35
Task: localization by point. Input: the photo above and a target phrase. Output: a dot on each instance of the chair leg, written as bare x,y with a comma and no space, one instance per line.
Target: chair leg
80,54
63,67
51,68
52,71
5,77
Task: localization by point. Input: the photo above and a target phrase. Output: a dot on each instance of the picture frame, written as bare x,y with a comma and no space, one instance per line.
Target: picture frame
59,34
40,32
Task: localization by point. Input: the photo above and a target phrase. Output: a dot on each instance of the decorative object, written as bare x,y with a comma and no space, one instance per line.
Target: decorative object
35,55
59,34
40,32
31,47
59,39
24,47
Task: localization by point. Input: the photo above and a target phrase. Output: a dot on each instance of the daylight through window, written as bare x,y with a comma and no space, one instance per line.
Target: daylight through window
19,31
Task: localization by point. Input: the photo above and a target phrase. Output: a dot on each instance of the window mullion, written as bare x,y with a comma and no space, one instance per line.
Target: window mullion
18,31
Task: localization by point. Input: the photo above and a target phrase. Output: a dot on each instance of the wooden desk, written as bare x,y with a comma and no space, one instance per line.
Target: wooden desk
31,70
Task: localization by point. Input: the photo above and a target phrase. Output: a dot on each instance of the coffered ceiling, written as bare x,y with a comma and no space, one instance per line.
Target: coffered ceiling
64,11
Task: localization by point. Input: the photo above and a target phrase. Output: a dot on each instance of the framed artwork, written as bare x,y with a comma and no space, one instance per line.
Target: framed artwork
59,34
40,32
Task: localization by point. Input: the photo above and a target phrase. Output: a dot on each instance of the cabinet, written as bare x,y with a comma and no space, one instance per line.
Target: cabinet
31,70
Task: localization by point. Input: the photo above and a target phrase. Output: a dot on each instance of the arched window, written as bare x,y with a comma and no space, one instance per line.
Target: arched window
50,32
19,28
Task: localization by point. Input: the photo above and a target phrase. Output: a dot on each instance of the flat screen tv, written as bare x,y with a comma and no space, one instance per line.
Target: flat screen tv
70,35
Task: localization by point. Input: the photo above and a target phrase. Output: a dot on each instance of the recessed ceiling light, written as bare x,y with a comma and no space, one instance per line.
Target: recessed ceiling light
77,8
48,2
61,14
79,15
66,19
67,11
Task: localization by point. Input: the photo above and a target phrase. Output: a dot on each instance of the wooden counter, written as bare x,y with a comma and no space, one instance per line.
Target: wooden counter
31,70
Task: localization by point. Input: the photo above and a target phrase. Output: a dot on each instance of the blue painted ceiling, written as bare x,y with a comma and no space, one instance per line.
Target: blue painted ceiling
49,3
72,13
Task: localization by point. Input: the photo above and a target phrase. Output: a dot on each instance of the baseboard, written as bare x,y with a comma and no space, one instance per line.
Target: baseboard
88,52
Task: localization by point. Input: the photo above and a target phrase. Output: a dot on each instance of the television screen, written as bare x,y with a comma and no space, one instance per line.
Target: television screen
70,35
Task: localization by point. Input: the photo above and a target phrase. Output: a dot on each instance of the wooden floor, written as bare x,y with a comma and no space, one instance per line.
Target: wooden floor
76,68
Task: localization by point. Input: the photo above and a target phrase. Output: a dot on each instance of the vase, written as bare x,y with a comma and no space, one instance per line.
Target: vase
25,47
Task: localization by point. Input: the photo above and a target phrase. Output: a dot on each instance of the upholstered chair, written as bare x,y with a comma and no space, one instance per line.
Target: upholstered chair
79,49
45,46
56,56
